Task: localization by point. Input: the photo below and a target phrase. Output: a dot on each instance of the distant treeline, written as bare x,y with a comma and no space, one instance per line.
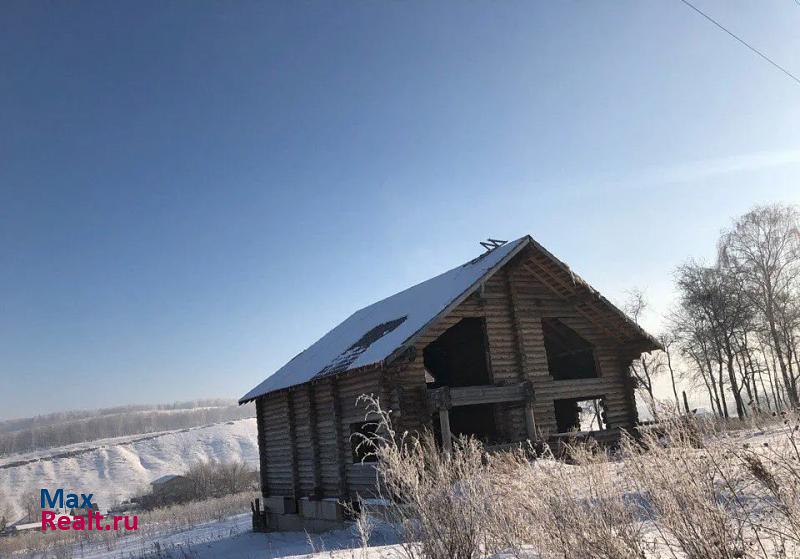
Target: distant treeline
64,428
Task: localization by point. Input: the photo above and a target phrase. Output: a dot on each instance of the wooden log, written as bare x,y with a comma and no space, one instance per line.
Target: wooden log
519,345
551,279
262,447
341,455
314,436
453,396
293,445
530,421
444,424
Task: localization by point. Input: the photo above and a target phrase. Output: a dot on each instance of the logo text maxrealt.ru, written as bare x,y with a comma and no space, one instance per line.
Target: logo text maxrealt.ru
72,500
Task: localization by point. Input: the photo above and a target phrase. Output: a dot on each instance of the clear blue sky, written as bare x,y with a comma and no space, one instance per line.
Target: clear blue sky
192,192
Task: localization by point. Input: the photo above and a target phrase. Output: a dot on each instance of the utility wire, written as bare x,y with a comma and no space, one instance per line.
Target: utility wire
745,43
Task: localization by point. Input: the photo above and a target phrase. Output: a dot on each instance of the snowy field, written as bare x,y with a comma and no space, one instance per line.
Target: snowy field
115,469
233,539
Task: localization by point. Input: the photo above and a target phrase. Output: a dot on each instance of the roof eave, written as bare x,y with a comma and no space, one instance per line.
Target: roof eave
372,366
578,281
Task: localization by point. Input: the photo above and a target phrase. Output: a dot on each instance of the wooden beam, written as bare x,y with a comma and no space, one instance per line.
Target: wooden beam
526,372
439,399
444,424
262,445
453,396
519,345
314,435
293,444
629,391
530,421
549,279
341,451
471,395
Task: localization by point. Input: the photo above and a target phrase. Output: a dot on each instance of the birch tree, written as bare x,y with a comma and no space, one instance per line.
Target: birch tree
763,250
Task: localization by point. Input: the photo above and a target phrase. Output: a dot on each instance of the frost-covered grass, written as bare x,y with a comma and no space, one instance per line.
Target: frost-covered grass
686,489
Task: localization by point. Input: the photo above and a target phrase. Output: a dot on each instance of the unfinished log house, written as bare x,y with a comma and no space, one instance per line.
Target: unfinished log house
507,347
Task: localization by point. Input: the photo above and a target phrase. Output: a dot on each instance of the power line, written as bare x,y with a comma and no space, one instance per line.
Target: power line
745,43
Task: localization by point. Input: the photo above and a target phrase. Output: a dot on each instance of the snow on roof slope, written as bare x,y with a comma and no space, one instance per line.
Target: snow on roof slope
373,333
165,478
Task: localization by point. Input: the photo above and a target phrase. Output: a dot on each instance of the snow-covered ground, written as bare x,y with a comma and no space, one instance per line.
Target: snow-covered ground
233,539
230,538
115,469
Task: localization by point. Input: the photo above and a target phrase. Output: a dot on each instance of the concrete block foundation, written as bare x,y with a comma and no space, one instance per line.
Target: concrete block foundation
280,505
285,514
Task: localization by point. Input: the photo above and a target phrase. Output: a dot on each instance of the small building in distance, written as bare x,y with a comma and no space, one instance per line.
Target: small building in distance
169,489
507,347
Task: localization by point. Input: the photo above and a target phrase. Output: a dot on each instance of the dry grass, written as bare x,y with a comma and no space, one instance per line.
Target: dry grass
686,490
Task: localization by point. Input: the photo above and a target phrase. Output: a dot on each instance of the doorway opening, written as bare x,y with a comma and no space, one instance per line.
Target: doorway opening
581,414
458,358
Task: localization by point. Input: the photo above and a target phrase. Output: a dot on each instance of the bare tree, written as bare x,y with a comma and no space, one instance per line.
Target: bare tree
763,249
714,305
5,512
213,478
649,365
668,342
30,503
692,336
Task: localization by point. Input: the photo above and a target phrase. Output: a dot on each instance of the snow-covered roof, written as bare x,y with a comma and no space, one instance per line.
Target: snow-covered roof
381,331
378,331
35,525
166,478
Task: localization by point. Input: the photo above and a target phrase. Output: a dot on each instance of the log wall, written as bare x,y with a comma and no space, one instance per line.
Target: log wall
513,302
305,438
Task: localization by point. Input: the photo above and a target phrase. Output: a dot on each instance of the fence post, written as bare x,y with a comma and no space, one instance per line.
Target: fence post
685,403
